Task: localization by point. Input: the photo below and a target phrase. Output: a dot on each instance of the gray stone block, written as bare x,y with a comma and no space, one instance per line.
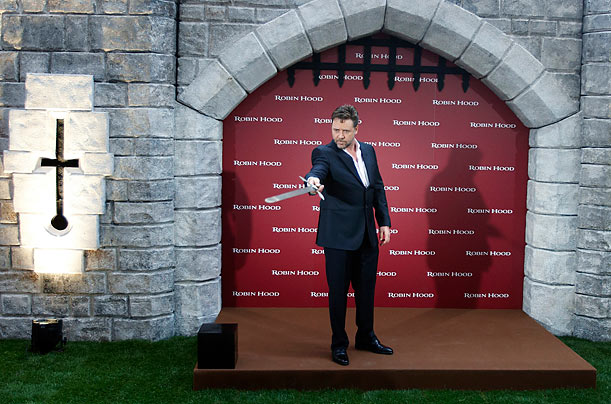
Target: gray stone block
485,51
545,102
564,9
146,282
101,260
5,258
550,267
193,39
285,40
552,198
116,190
137,236
80,306
551,305
142,147
198,192
146,260
33,62
192,12
87,283
144,168
517,71
596,6
409,19
144,212
196,300
524,8
71,6
596,106
16,304
189,68
595,175
110,94
151,95
144,67
324,24
561,53
7,212
132,34
519,27
452,29
22,258
482,7
88,329
504,24
594,262
9,5
223,35
558,233
264,15
9,68
592,329
543,27
197,228
215,13
214,93
599,22
569,28
16,327
554,165
532,44
592,306
149,306
152,329
192,125
197,157
601,155
113,305
596,47
593,285
198,264
597,133
9,234
77,33
141,122
79,63
51,305
248,62
595,196
162,190
241,14
113,6
565,133
363,17
596,79
33,32
165,8
599,240
12,95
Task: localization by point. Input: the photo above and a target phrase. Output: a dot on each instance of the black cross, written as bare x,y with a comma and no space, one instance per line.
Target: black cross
59,222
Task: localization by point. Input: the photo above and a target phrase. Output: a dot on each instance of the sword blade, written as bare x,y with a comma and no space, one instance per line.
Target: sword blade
287,195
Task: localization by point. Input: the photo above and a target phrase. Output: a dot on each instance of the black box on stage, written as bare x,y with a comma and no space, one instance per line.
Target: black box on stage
217,346
46,334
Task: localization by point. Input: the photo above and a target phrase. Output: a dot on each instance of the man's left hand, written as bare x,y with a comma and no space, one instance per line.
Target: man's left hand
384,235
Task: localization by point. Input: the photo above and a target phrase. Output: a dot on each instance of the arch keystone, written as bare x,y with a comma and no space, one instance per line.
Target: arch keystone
324,24
409,19
363,17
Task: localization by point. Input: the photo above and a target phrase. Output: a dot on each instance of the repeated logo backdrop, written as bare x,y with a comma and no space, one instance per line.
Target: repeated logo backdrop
455,169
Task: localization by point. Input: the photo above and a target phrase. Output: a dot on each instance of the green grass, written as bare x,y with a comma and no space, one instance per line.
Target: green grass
161,372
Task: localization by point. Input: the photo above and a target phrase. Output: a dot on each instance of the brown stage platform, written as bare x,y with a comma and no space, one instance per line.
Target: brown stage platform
289,348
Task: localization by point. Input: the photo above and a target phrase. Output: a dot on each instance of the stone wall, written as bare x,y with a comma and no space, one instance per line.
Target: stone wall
158,271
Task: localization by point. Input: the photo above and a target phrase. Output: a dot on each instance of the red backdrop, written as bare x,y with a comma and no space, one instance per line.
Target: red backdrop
455,169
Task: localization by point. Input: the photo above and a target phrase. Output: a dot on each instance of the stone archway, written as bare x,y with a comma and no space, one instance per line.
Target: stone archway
510,71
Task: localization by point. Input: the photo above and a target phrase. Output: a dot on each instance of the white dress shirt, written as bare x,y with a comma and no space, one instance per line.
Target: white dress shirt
359,164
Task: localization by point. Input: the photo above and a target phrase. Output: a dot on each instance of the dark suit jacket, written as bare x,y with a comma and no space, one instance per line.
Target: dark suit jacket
348,209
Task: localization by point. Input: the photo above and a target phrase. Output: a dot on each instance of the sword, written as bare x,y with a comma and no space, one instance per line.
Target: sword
291,194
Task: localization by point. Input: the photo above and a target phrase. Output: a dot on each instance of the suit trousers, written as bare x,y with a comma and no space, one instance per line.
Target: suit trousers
360,268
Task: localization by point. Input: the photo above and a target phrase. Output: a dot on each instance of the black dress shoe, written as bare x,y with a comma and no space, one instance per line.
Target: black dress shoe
340,356
374,346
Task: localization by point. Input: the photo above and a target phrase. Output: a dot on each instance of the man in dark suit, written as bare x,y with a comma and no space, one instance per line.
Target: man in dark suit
346,172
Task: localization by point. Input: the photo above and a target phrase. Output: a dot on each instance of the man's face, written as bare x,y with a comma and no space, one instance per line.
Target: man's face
343,132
